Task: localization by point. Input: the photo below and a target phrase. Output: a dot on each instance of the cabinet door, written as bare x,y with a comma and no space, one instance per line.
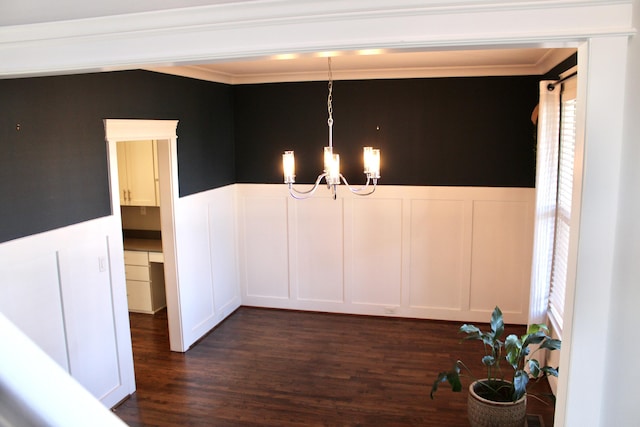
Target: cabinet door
140,173
136,172
122,172
139,296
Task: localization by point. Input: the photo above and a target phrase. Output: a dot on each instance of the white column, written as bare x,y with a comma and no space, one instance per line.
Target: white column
583,361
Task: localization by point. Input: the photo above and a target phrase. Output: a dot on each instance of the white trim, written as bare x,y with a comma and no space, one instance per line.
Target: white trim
257,29
164,131
200,73
600,110
139,130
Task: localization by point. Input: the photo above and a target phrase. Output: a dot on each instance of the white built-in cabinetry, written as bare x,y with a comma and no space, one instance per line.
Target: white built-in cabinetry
137,173
145,281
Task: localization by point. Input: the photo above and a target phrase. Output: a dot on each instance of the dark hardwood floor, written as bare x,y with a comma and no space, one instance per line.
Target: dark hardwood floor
267,367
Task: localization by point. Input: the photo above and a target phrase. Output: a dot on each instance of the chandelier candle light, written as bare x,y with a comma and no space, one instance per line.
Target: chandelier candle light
331,173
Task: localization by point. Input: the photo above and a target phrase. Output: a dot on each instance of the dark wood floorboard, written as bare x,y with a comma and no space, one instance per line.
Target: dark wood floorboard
267,367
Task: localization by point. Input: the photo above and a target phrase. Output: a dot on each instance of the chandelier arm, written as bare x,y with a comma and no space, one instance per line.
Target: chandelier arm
298,194
361,191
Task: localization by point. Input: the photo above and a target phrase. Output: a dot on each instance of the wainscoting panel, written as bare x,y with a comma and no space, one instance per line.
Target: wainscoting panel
265,258
449,253
195,285
88,310
438,276
376,251
206,260
501,253
318,273
30,298
224,251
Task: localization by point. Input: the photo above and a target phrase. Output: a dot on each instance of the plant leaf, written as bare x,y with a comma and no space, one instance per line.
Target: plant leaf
534,338
490,340
514,349
533,328
497,323
473,332
469,329
452,377
551,344
548,370
489,360
520,380
534,368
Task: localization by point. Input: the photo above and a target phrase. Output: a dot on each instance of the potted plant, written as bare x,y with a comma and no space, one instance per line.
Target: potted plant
500,395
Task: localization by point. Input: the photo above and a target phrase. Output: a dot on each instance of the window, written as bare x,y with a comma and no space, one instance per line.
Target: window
563,202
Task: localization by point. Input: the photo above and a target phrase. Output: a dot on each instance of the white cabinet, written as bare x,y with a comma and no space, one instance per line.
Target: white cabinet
145,281
137,173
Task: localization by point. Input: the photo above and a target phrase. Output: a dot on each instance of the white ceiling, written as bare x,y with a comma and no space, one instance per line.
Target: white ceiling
378,64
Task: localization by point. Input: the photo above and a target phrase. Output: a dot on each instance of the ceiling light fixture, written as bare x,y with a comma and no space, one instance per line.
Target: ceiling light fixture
331,173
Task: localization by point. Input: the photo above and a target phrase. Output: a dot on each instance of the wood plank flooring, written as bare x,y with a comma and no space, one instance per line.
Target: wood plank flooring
266,367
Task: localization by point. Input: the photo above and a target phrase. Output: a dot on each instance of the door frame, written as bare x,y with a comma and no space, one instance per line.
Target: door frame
164,132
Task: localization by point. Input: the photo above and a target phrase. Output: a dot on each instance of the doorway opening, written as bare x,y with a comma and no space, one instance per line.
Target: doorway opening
163,133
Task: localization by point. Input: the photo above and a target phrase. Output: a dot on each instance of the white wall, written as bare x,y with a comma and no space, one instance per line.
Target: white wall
448,253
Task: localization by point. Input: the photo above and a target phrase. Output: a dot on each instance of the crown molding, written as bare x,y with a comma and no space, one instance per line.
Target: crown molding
551,58
201,73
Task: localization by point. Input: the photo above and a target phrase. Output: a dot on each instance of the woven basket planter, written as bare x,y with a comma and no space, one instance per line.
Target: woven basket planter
487,413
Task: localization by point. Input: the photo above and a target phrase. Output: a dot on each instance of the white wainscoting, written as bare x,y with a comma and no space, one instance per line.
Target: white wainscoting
449,253
428,252
205,225
65,289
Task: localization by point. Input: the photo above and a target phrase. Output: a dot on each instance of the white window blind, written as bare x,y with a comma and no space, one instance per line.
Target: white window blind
563,205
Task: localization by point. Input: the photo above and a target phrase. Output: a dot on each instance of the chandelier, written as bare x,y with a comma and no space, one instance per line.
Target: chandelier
331,174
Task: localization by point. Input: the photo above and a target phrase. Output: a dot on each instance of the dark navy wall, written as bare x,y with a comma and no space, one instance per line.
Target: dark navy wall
440,131
53,171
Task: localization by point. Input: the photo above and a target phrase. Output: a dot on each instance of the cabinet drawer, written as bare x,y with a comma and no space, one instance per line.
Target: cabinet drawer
136,258
139,296
156,257
136,272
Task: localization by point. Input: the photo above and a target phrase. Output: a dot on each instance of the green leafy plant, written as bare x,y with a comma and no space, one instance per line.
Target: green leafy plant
513,350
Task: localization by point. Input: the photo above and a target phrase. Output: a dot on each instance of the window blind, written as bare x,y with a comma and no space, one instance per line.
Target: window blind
563,205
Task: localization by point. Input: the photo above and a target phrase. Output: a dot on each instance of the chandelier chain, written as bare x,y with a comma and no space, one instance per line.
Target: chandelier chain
330,97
